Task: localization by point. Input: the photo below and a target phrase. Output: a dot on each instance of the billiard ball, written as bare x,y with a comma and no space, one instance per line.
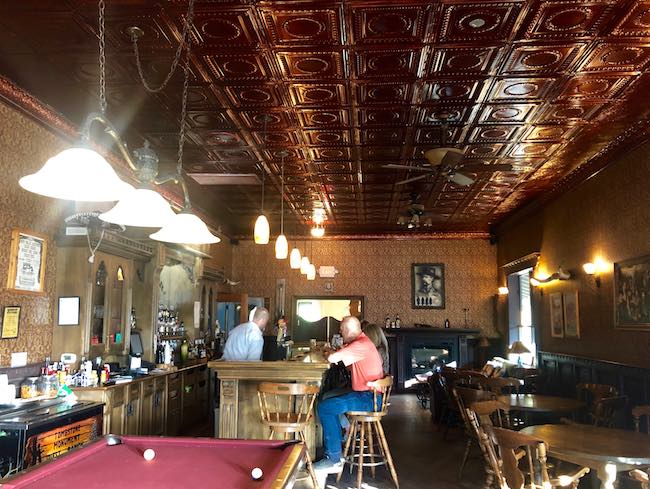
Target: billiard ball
257,473
149,454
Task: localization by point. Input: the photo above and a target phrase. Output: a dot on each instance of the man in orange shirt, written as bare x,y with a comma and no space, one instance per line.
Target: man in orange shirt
361,357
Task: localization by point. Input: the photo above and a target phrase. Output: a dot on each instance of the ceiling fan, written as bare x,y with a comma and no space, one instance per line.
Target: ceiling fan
448,161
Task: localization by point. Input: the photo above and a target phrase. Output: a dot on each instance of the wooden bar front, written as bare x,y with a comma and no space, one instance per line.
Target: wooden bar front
239,411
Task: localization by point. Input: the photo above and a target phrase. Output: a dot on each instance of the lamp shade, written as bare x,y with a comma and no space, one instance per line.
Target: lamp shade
304,265
77,173
281,247
262,231
185,228
295,259
318,231
141,207
518,348
311,273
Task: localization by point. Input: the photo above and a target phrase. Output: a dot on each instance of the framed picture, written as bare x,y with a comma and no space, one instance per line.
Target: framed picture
10,322
571,315
68,311
632,294
557,315
27,262
427,286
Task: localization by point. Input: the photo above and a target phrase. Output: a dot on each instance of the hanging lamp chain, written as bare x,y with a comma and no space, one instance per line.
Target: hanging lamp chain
186,37
102,57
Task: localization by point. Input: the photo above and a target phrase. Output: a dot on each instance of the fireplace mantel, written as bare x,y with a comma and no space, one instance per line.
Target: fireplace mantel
402,340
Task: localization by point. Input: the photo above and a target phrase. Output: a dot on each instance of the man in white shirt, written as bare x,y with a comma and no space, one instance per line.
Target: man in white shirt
245,342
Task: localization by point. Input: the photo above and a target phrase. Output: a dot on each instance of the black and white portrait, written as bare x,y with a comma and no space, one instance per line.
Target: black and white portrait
427,286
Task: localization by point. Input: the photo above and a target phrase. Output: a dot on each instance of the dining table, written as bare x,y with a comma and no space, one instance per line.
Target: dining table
539,403
606,451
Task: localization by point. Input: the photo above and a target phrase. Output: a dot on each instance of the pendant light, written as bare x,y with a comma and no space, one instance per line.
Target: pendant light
304,262
311,272
184,227
295,258
281,243
262,230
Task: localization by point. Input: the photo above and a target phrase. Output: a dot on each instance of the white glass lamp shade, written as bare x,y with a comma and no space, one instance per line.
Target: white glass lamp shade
295,259
311,274
262,231
304,265
141,207
77,174
318,231
281,247
185,228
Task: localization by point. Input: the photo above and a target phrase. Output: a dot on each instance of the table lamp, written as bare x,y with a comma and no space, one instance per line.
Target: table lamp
518,348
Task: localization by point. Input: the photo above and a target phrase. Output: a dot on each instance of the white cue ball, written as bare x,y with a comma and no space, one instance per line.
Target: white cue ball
256,473
149,454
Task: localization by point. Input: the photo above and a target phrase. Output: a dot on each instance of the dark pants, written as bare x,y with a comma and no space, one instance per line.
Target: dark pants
329,411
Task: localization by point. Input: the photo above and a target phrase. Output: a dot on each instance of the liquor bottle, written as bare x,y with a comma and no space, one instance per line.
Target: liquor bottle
447,323
398,321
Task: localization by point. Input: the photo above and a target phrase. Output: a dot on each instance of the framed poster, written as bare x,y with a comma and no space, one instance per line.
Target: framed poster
557,315
10,321
427,286
632,294
571,315
27,262
68,311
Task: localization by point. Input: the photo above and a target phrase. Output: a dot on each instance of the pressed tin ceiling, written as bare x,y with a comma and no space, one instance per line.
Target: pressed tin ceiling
349,87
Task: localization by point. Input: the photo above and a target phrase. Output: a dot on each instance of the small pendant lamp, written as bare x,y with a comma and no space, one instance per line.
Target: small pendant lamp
262,230
281,243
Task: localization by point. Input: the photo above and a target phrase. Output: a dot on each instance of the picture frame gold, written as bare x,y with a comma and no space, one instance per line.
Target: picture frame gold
557,315
27,262
571,314
10,322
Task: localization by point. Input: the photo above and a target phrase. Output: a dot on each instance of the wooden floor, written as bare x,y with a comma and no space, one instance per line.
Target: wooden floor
422,458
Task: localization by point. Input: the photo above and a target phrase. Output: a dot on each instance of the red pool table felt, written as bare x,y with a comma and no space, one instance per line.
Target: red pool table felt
179,462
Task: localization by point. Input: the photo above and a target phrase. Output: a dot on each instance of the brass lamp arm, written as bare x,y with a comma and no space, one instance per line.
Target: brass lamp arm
111,131
179,180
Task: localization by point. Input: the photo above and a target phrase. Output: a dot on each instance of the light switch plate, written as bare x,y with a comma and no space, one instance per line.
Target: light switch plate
19,359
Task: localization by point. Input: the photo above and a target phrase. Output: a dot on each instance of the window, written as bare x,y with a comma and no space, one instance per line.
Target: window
520,315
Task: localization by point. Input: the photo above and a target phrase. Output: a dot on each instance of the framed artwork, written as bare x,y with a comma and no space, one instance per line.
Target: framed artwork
632,294
557,315
10,322
427,286
571,315
27,262
68,311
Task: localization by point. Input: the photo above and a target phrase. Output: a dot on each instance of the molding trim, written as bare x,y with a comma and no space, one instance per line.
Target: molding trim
389,236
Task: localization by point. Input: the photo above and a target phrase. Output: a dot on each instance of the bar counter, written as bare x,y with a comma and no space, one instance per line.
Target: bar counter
239,410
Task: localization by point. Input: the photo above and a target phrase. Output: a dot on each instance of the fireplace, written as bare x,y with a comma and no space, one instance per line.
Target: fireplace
420,350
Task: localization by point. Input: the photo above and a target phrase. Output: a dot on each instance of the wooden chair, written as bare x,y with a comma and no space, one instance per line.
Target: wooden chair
366,425
510,443
591,394
642,477
606,410
639,413
502,385
465,397
287,409
450,414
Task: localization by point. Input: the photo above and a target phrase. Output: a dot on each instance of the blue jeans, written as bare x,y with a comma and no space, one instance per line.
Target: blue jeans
329,411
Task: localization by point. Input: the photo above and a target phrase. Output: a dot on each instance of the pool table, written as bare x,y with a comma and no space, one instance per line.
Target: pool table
178,462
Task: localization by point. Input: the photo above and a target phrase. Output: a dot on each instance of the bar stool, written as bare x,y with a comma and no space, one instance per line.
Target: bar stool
367,426
287,409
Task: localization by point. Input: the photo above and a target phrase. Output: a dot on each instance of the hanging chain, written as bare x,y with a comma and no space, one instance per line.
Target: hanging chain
181,132
262,165
184,42
282,197
102,57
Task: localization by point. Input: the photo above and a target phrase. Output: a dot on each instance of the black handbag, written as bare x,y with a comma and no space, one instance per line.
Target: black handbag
338,381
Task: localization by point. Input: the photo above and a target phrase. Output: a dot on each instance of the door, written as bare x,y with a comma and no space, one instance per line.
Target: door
133,406
146,413
174,403
232,314
116,412
158,407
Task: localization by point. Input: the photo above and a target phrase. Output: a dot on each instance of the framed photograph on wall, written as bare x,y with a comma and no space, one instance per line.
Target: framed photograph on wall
27,262
632,294
571,315
10,322
557,315
427,286
68,311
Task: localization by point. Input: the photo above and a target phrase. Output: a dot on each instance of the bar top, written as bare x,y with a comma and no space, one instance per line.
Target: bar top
280,370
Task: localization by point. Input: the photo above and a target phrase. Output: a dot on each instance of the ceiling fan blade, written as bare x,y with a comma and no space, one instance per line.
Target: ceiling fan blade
436,156
460,179
490,168
453,158
409,180
406,167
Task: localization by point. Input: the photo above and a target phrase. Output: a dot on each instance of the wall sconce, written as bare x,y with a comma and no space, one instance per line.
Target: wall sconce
503,290
593,271
561,274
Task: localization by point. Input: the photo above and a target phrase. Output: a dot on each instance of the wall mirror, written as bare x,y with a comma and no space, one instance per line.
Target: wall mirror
319,317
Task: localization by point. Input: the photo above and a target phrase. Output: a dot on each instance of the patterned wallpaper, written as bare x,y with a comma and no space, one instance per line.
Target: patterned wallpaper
606,216
381,272
24,147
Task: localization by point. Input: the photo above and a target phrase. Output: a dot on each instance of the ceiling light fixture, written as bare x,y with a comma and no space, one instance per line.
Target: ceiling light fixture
262,230
304,262
281,243
318,231
295,259
311,272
